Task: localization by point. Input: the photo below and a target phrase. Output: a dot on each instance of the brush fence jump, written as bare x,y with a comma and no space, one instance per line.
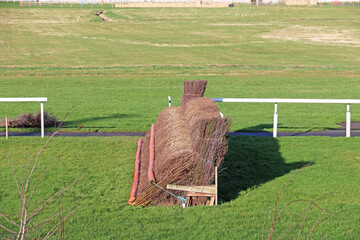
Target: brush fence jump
284,100
40,99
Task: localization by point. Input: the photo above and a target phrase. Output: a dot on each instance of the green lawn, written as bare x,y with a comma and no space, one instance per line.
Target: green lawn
254,171
118,74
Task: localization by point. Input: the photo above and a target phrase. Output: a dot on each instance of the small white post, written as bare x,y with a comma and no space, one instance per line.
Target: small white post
348,121
6,127
42,119
169,98
275,122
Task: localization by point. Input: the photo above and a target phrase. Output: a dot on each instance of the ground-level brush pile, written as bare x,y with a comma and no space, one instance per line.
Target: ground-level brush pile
31,120
190,141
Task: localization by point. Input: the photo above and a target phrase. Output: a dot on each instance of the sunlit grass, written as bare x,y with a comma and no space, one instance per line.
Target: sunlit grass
253,173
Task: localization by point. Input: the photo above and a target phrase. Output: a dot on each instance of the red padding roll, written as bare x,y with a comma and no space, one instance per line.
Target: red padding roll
151,176
136,174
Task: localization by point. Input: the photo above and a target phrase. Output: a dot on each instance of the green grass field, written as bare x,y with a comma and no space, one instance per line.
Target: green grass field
253,173
117,76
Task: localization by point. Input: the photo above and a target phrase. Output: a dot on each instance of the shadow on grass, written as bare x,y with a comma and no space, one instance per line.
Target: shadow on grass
251,161
262,127
83,121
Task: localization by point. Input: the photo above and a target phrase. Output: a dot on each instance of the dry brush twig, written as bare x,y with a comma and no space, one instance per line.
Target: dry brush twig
305,211
26,189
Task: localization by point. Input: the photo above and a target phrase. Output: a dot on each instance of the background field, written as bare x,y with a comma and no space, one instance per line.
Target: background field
118,74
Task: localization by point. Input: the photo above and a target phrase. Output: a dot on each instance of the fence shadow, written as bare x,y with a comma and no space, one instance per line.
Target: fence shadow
82,121
267,127
250,162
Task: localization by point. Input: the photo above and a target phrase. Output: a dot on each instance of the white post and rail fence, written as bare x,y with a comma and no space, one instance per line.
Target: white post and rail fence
39,99
285,100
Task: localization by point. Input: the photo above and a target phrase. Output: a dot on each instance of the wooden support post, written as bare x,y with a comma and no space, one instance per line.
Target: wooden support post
216,185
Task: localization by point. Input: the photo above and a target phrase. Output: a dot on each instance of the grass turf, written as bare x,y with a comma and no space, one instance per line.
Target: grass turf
118,74
254,171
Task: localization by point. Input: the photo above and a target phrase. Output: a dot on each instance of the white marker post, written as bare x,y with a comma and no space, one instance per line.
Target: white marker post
42,119
348,121
169,98
275,121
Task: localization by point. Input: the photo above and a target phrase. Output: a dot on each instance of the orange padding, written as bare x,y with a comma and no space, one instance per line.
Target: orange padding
151,176
136,173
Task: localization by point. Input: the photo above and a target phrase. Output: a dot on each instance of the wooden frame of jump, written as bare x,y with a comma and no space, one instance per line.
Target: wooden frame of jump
199,191
284,100
39,99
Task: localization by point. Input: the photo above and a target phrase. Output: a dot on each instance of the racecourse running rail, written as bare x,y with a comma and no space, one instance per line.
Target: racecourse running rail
292,100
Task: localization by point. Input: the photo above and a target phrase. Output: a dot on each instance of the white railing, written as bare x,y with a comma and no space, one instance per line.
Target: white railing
41,100
284,100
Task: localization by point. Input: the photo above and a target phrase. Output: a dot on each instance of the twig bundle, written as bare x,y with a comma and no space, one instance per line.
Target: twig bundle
30,120
193,89
212,146
172,143
189,142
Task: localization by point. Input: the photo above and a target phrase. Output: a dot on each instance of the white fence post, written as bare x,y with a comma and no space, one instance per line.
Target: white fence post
348,120
275,122
42,119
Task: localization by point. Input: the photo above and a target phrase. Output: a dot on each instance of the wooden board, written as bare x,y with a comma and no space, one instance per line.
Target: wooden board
195,189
